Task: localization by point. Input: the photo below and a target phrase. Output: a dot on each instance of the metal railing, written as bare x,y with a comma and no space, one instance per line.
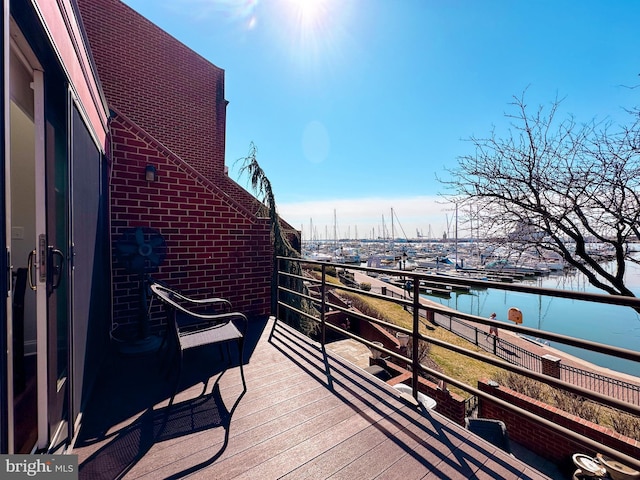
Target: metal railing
620,389
292,299
507,350
515,354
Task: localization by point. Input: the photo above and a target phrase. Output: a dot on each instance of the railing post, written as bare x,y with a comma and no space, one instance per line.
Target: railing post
430,315
323,303
415,361
551,366
277,292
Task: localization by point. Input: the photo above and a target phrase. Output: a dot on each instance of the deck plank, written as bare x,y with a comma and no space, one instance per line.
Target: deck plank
306,414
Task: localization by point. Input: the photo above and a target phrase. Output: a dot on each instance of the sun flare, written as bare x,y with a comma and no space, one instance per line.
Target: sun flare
308,12
314,32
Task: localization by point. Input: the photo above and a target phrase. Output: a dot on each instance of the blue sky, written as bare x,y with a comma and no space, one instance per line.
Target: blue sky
356,105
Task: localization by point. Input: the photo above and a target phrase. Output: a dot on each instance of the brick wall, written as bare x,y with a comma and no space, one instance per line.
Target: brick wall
542,441
214,246
170,111
160,84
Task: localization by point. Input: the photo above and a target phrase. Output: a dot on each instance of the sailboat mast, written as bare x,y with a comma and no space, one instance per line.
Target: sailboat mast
456,265
335,229
393,236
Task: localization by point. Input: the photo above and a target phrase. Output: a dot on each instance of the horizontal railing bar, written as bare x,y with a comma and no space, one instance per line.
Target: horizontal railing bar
351,335
289,307
369,344
292,275
514,287
303,295
619,352
599,447
399,301
556,337
598,397
364,316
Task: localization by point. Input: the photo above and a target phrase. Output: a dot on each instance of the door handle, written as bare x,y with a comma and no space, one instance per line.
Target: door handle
31,266
9,273
55,269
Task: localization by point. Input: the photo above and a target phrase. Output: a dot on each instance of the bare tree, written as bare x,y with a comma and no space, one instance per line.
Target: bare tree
557,186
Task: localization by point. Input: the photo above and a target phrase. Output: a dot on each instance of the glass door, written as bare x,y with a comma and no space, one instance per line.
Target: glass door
56,255
39,196
23,240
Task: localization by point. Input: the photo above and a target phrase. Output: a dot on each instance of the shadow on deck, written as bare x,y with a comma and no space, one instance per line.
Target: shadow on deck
306,414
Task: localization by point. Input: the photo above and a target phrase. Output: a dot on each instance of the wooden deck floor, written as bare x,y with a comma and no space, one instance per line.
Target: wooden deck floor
304,415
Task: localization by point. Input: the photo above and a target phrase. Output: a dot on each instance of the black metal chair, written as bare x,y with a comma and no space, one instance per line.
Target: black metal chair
193,329
493,431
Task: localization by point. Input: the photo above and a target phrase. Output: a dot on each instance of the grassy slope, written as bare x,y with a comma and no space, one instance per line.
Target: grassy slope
458,366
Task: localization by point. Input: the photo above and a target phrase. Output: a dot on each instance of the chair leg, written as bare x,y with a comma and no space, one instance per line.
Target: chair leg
241,361
167,362
168,357
177,385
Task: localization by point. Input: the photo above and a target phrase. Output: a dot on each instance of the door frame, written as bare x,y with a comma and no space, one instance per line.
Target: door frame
19,45
41,287
6,352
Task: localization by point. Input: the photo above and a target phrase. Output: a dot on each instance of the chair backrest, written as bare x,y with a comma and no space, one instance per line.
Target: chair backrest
172,299
163,293
494,431
179,305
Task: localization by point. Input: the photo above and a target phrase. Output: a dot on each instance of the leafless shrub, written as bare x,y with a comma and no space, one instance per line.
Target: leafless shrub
625,424
577,405
524,385
424,348
621,422
363,307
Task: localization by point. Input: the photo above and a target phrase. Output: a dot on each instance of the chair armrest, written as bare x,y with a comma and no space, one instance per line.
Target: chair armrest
219,303
238,319
211,300
203,302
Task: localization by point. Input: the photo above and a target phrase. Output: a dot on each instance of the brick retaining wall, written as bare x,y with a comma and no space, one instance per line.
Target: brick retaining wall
548,444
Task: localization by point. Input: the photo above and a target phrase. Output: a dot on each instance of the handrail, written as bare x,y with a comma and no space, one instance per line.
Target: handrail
468,282
417,368
619,352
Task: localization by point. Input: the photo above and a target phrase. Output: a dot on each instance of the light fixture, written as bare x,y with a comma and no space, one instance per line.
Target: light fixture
150,173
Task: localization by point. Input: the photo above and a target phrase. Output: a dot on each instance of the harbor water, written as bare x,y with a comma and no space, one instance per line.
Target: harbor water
608,324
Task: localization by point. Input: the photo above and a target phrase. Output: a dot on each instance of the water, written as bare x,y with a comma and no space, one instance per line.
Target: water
608,324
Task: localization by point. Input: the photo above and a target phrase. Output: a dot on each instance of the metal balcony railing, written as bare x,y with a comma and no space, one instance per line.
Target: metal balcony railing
294,299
